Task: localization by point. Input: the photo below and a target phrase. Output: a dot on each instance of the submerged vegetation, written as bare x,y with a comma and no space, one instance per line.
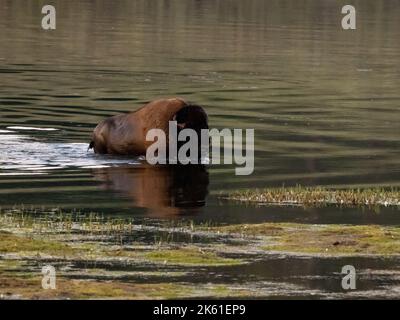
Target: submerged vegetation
319,196
76,236
15,284
156,260
89,250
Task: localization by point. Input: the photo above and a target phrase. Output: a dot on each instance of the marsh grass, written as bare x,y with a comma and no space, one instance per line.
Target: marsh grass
29,238
91,236
329,240
319,196
58,221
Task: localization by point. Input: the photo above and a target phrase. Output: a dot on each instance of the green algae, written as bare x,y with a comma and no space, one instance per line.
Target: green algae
10,243
65,240
322,239
62,239
28,286
191,256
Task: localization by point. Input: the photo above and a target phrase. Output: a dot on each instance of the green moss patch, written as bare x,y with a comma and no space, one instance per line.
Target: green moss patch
10,243
29,287
322,239
190,256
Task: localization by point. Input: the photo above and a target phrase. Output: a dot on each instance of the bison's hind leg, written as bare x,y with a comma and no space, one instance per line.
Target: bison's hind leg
98,142
98,145
91,145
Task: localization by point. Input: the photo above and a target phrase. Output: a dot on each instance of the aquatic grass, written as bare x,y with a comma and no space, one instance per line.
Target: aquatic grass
331,240
92,237
27,241
319,196
28,287
57,221
191,256
10,243
103,252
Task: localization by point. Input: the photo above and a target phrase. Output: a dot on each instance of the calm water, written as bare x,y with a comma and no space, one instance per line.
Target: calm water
324,102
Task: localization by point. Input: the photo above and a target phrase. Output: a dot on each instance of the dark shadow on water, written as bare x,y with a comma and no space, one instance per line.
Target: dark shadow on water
165,190
273,276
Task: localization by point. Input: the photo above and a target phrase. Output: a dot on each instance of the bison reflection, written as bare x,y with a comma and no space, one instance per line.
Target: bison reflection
164,190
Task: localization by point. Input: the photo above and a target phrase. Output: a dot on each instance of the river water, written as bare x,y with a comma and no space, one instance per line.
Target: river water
324,102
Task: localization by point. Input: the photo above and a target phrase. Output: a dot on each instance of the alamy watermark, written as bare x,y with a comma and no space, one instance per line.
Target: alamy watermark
190,152
49,20
349,280
49,277
190,147
349,20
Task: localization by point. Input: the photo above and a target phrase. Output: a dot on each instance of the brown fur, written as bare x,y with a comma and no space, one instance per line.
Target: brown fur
126,133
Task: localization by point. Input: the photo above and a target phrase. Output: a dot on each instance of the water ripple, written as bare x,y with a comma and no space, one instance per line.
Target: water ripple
21,154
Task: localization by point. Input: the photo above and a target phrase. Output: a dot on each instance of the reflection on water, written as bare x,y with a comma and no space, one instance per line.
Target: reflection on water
280,276
317,277
324,102
164,190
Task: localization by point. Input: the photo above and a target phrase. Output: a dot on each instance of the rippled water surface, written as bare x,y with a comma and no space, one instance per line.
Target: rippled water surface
324,102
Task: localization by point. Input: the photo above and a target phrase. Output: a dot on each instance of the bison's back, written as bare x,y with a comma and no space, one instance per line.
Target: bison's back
126,133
